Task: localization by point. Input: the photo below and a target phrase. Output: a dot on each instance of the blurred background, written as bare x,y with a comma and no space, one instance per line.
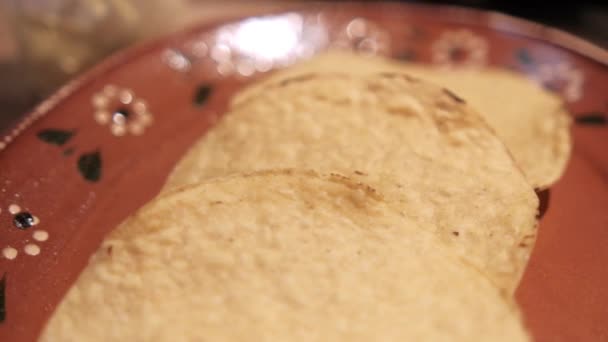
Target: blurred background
44,43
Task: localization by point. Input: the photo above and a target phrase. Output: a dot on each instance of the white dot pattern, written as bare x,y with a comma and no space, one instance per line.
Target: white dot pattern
31,249
40,235
10,253
14,209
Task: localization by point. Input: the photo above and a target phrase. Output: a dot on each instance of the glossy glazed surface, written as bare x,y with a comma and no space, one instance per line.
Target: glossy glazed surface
102,146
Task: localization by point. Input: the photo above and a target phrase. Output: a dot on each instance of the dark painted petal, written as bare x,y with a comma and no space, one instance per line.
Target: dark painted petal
89,166
592,118
55,136
524,57
202,94
3,298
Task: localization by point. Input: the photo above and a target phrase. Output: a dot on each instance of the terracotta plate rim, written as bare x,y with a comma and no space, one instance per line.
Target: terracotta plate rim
491,19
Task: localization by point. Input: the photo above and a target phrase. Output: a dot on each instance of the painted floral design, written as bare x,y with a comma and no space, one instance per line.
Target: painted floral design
25,221
177,60
562,78
363,36
89,163
460,48
121,111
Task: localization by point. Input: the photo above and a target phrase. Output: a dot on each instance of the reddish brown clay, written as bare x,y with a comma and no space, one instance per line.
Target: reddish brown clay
87,157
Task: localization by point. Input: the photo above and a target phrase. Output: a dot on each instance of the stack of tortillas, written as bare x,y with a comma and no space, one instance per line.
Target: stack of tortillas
533,123
336,202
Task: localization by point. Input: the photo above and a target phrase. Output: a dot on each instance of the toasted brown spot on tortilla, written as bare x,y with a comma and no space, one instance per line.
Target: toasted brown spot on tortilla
453,96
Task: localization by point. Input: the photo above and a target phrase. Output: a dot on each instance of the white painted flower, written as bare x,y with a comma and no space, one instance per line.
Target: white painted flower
176,60
562,78
23,220
121,110
363,36
460,48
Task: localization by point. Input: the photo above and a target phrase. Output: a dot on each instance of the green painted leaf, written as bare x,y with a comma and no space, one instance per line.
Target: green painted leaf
3,298
55,136
524,57
202,94
592,118
89,166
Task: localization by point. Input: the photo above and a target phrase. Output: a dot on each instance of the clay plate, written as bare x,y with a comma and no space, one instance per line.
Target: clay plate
102,146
